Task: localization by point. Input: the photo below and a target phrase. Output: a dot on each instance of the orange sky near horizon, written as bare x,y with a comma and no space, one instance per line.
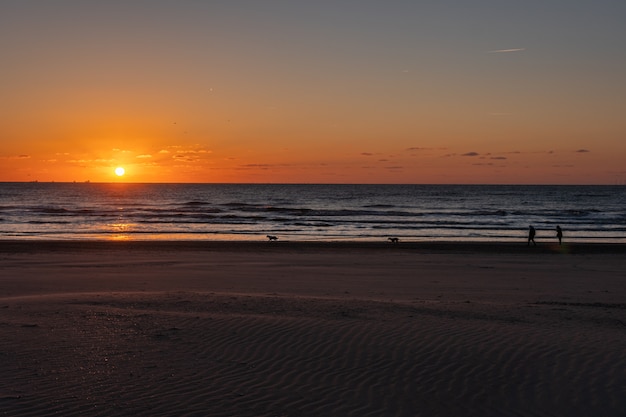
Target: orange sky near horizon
313,93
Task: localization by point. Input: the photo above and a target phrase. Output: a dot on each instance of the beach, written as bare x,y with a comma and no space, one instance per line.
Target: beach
160,328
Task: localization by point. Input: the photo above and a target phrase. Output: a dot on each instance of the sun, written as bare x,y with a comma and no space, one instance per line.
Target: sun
119,171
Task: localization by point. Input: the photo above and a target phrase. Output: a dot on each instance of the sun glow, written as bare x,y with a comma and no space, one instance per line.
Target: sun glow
119,171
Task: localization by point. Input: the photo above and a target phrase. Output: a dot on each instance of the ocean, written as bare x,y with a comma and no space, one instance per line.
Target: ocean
310,212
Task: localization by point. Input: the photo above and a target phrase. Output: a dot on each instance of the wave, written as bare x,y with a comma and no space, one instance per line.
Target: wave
346,210
380,206
195,203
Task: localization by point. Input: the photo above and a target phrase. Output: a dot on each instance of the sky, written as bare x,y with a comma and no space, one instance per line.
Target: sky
279,91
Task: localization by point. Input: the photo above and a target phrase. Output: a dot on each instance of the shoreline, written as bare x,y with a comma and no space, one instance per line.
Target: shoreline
21,246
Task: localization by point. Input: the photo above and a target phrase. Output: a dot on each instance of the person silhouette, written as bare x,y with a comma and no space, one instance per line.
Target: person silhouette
559,233
531,235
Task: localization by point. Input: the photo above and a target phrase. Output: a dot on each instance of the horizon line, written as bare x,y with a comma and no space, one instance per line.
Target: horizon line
311,183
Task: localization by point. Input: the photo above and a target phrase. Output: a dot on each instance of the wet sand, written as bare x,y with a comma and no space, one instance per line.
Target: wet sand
312,329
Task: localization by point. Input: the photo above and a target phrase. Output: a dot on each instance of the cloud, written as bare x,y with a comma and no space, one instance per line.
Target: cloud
263,167
583,151
89,161
367,154
505,51
184,153
498,157
470,154
143,156
178,149
417,148
185,158
16,157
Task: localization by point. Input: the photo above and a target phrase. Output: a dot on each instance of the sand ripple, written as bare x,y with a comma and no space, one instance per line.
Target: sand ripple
194,354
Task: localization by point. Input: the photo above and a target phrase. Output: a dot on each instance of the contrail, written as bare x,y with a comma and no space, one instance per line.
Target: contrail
502,51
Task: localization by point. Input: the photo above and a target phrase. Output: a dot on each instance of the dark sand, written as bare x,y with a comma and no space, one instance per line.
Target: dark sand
312,329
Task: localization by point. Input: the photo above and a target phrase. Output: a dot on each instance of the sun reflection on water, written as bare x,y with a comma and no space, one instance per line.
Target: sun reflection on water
119,231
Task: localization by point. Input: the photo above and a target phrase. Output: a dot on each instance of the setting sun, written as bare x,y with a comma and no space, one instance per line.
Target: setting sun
119,171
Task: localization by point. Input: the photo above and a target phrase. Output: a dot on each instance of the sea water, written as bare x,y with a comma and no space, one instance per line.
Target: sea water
310,212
